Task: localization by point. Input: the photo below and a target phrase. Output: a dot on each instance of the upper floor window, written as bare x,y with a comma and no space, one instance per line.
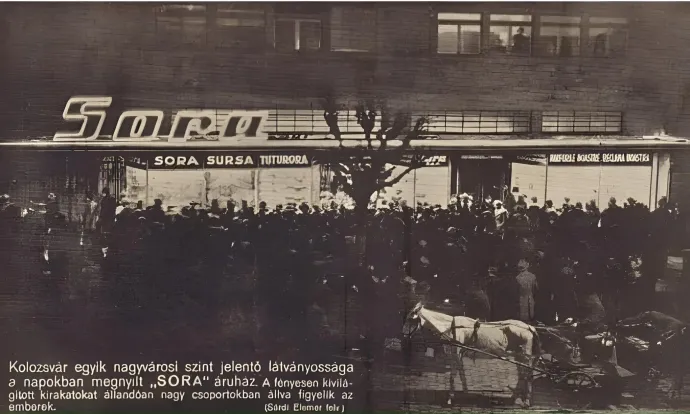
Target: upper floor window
241,25
608,36
559,36
510,33
182,23
459,33
297,34
353,29
476,122
604,122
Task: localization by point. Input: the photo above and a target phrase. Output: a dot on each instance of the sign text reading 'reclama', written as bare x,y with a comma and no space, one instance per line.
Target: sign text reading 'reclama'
141,125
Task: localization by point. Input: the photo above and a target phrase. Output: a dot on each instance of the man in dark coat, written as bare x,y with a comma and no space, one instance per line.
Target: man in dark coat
656,256
106,218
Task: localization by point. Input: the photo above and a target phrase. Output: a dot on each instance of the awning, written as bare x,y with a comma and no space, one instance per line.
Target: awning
464,143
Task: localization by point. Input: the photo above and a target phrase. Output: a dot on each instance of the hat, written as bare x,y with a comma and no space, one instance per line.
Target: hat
497,203
4,198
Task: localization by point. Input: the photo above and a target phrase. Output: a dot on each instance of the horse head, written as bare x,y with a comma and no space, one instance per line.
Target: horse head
413,321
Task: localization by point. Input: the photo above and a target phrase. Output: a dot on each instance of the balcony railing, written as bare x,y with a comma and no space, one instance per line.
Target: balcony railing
477,122
582,122
439,122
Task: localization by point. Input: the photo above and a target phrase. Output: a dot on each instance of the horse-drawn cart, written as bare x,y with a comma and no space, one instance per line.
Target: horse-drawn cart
518,344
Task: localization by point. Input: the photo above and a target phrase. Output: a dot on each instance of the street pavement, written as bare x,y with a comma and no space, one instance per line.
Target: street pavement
80,321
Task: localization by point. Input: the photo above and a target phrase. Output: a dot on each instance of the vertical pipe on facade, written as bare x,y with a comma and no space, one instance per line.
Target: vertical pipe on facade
546,180
256,187
147,183
450,181
414,189
654,182
601,170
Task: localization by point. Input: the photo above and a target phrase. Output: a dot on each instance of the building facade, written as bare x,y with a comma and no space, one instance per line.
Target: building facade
479,72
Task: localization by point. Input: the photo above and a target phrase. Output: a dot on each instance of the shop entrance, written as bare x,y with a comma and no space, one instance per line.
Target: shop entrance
481,178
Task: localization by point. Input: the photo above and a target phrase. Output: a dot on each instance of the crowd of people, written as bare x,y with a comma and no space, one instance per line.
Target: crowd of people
509,259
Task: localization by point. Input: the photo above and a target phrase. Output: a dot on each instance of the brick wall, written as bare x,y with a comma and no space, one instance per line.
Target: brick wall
54,52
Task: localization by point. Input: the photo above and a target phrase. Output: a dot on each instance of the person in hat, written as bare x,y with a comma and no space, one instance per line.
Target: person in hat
501,216
106,215
465,203
156,214
7,209
52,206
527,289
611,215
89,216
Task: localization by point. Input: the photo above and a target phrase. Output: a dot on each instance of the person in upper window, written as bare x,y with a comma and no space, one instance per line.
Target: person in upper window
521,42
600,45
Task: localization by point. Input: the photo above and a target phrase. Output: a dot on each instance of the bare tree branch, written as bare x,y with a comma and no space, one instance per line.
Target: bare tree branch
398,178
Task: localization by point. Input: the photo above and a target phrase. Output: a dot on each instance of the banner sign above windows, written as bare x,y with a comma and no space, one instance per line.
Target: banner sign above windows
175,160
589,158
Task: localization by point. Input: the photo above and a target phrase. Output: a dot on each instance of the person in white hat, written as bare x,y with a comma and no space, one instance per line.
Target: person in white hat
500,215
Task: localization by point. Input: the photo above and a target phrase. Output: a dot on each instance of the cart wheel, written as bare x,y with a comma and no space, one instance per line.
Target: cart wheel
540,369
578,380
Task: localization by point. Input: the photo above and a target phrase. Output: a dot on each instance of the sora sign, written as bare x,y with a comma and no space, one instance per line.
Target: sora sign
142,125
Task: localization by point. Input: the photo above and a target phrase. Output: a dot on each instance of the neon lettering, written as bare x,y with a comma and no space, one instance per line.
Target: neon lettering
87,106
204,124
138,125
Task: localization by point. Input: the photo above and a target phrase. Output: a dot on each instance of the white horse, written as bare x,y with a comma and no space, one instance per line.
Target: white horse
504,339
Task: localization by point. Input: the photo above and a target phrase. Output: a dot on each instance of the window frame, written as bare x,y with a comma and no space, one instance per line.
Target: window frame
297,21
593,24
509,23
221,29
538,42
459,23
374,48
178,13
579,116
